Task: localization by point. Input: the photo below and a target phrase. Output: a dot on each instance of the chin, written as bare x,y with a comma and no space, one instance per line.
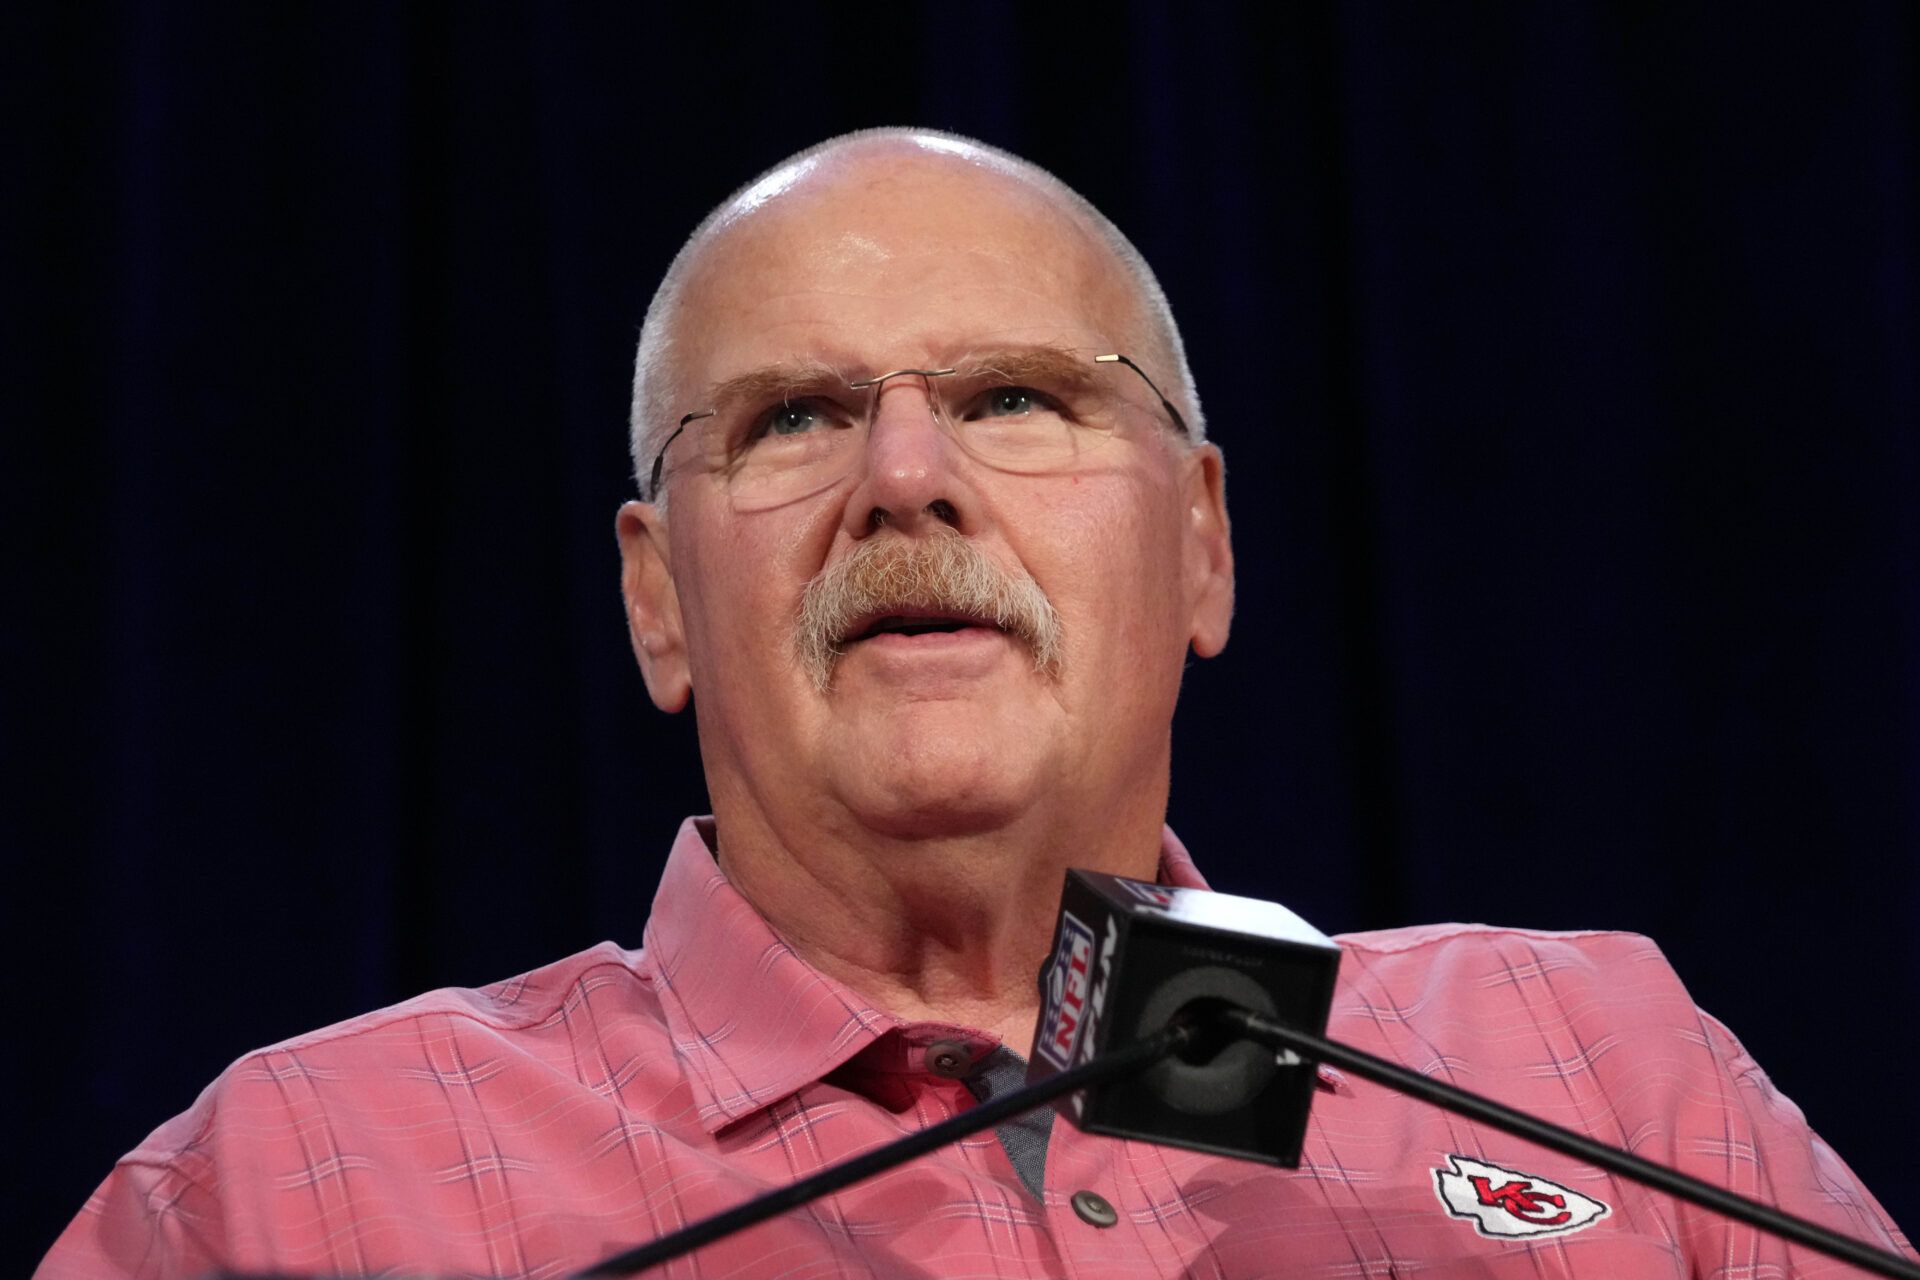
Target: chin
936,821
927,790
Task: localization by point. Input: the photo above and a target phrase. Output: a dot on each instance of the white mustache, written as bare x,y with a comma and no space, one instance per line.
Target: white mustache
939,573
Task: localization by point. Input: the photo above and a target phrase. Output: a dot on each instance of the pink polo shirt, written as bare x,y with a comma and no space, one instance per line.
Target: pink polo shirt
532,1127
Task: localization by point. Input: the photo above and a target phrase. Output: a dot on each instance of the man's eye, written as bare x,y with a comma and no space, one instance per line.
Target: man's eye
1009,402
796,417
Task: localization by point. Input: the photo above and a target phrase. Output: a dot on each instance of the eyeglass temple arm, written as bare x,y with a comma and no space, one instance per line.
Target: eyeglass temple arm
660,458
1165,403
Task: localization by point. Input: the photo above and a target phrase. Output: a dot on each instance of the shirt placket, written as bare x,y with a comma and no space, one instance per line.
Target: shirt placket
1114,1210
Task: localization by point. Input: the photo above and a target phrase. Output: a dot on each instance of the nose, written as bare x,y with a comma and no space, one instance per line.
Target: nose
912,475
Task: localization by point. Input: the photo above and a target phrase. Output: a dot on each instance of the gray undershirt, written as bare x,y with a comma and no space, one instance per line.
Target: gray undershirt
1024,1137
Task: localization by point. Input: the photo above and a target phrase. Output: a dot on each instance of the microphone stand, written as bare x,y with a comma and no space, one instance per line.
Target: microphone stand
1208,1026
1276,1035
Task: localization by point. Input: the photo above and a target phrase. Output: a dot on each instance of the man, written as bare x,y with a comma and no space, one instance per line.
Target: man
930,528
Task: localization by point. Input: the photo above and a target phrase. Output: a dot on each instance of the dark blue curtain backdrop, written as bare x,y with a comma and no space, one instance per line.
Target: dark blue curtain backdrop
1563,356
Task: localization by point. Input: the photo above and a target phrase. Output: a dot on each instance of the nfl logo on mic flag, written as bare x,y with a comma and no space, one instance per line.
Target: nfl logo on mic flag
1127,956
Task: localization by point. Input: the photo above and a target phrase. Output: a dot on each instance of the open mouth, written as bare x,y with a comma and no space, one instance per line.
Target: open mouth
915,625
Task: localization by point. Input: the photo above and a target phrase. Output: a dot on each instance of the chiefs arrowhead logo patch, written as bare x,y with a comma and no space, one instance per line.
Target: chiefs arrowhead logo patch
1504,1204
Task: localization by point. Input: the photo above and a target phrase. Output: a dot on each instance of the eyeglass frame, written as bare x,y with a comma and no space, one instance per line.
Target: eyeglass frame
660,457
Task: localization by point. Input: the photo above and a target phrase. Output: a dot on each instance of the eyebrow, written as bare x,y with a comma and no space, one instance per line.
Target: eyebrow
783,379
1058,366
777,381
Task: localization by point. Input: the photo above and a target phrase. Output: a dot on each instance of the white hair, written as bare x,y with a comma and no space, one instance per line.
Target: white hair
653,418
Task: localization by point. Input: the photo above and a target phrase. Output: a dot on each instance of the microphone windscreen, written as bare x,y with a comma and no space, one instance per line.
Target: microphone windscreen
1127,957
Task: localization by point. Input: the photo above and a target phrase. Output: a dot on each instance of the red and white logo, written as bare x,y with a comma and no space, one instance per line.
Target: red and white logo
1505,1204
1069,981
1154,895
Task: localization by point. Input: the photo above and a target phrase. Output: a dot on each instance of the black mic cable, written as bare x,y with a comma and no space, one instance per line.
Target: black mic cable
1136,1057
1201,1030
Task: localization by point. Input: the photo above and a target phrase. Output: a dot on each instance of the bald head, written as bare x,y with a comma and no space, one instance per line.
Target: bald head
892,191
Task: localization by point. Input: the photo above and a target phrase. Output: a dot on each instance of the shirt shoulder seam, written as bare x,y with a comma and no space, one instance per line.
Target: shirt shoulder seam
1396,941
168,1158
413,1008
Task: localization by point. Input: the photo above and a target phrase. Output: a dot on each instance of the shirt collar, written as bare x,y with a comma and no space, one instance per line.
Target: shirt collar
1176,864
751,1021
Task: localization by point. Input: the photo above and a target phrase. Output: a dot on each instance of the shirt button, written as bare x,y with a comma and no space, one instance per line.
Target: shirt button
1094,1209
949,1058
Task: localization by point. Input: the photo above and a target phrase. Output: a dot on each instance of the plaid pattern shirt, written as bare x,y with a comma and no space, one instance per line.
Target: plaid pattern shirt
533,1127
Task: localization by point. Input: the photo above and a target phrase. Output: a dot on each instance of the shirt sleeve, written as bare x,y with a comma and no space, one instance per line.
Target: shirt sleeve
1753,1140
146,1222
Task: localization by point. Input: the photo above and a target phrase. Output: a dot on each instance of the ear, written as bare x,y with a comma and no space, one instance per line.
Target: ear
653,605
1208,552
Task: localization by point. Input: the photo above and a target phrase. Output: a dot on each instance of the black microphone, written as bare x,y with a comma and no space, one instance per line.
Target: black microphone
1127,956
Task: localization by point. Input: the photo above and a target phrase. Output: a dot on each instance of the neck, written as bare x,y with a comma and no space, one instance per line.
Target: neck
940,928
